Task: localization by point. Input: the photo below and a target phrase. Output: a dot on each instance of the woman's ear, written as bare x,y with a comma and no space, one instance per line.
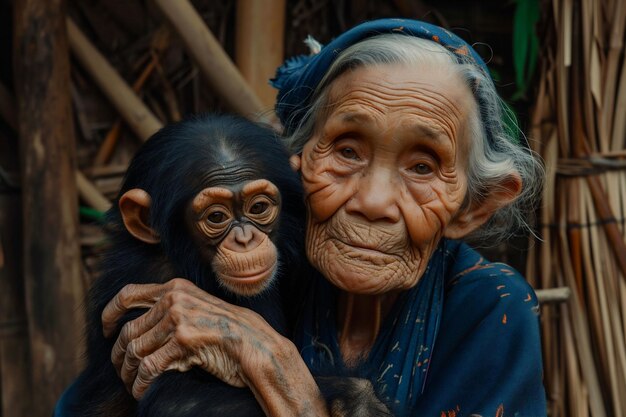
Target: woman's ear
135,208
475,216
296,162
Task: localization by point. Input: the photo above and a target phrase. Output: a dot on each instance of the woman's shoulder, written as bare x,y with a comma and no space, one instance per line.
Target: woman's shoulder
487,358
475,281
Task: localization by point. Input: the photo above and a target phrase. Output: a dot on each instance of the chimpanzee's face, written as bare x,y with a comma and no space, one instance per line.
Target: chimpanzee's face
232,225
214,186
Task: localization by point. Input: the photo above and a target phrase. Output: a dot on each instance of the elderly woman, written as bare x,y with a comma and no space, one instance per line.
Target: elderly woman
400,138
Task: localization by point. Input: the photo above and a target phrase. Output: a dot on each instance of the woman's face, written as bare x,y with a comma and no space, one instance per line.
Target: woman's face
384,174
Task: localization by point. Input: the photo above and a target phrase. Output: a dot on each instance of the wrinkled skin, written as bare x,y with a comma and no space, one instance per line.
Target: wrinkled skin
384,179
187,327
232,228
384,176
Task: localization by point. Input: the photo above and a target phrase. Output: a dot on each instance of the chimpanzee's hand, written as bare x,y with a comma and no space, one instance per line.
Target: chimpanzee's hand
187,327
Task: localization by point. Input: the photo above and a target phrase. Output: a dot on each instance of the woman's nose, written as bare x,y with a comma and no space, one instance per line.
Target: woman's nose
376,197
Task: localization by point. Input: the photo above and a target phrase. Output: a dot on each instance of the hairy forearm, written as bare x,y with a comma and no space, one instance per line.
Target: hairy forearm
284,385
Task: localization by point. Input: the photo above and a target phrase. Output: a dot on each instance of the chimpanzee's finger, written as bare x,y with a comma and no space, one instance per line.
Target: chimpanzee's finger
129,297
150,367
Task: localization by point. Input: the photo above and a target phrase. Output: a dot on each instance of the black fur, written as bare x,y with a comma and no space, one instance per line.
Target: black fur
171,167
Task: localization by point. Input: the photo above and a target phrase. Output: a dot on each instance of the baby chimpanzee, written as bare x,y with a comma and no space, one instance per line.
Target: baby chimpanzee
214,200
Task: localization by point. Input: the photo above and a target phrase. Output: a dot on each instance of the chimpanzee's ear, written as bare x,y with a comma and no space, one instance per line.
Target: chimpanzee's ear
475,216
135,208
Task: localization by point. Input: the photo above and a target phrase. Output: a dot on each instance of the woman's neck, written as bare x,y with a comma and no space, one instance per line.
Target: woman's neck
359,319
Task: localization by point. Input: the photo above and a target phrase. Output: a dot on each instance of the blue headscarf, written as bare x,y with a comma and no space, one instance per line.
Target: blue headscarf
298,77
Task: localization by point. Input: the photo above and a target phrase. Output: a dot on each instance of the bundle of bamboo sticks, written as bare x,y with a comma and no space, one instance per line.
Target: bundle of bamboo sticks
579,128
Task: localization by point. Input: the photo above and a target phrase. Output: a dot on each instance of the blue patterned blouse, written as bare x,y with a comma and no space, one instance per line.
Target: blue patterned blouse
464,342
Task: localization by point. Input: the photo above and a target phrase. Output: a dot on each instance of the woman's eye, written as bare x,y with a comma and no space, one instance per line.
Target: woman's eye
422,169
349,153
216,217
259,208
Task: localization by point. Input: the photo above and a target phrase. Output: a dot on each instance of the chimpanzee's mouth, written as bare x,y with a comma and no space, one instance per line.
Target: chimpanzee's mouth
250,283
252,275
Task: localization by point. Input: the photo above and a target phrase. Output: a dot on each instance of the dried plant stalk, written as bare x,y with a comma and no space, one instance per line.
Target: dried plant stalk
579,119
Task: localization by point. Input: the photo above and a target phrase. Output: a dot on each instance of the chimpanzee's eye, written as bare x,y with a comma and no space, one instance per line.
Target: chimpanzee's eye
259,207
262,208
216,217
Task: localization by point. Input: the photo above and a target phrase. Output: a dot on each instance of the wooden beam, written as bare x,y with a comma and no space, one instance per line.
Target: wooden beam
7,109
140,119
52,269
15,370
553,295
15,380
214,63
86,189
260,44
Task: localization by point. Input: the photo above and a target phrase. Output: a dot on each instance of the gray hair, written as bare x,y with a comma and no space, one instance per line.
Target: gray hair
493,156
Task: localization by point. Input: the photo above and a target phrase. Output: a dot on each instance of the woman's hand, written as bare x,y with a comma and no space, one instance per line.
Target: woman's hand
187,327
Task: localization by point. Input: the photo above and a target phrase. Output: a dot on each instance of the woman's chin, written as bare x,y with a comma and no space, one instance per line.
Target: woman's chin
364,278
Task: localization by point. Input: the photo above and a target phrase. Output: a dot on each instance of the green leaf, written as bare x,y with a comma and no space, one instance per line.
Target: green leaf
525,44
91,213
520,44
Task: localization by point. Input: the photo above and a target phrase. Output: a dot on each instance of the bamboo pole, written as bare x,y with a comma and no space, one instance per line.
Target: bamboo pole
606,217
591,73
614,56
52,269
90,193
553,295
107,170
107,147
132,109
259,44
108,144
619,121
214,63
581,335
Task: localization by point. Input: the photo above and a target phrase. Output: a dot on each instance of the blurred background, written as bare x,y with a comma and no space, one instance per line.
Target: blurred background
84,83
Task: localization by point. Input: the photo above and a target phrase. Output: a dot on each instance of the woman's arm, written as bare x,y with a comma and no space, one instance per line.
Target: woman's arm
187,327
